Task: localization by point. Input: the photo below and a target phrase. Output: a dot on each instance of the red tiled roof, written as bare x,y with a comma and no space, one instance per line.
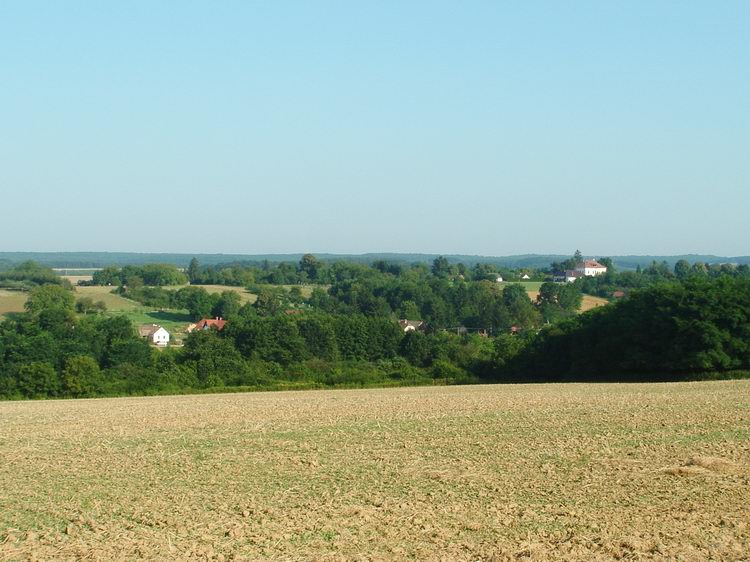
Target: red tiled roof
207,323
592,263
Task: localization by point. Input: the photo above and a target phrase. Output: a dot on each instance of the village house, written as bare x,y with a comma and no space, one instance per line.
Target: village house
155,334
412,325
217,323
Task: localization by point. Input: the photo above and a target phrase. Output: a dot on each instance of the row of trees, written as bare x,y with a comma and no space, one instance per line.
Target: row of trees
133,276
444,303
28,275
314,271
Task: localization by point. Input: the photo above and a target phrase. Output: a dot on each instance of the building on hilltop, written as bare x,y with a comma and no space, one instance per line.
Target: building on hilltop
591,268
586,268
155,334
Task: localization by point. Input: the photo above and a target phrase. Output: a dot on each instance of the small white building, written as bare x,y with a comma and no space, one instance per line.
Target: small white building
525,277
155,334
499,279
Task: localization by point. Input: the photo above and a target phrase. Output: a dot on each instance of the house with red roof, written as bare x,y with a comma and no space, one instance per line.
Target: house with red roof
591,268
217,324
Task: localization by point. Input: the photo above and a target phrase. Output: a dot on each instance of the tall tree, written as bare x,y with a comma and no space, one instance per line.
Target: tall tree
193,270
682,269
310,265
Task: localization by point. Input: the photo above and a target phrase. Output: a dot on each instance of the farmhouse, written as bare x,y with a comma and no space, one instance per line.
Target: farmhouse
217,323
586,268
412,325
499,279
591,268
155,334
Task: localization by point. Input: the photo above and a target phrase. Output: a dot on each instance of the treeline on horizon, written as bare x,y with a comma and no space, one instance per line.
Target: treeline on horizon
673,323
73,260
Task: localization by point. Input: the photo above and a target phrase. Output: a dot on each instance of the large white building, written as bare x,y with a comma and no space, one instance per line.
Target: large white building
586,268
591,268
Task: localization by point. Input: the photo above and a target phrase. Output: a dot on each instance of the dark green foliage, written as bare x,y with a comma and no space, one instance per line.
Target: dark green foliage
197,300
228,304
81,376
559,300
36,379
695,326
86,305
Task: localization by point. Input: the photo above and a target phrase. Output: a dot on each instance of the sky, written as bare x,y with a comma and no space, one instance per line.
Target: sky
483,128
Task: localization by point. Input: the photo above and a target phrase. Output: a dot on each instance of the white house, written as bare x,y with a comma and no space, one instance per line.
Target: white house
587,268
499,279
525,277
155,334
591,268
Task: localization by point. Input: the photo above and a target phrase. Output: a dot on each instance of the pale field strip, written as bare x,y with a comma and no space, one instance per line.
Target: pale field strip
505,472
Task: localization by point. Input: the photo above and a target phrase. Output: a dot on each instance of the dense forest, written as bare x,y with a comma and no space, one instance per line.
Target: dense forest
669,323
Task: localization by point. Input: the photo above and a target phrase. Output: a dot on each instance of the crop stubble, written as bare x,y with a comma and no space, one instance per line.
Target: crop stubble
576,471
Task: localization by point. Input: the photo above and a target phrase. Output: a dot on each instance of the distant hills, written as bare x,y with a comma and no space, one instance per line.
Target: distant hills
72,260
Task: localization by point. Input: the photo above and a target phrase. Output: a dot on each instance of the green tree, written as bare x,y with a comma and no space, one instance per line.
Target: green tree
81,376
310,265
197,300
193,270
229,304
441,267
49,297
86,305
682,269
415,347
271,301
37,379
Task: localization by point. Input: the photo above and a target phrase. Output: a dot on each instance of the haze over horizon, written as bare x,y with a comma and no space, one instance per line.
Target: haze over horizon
480,129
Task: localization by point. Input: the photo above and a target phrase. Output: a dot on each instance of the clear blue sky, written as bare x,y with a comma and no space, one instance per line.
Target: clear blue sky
450,127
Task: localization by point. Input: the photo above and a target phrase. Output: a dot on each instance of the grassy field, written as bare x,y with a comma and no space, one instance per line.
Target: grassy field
11,301
114,302
590,302
542,472
174,321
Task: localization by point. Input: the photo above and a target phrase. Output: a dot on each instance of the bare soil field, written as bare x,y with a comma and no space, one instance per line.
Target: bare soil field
542,472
